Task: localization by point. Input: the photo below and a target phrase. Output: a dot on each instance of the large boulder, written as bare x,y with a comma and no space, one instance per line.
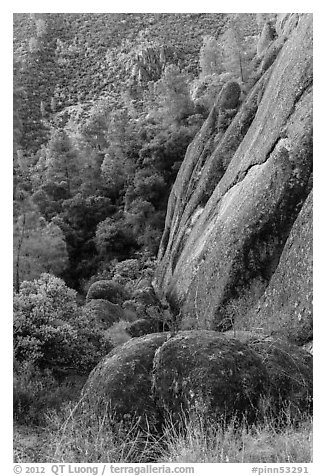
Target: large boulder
121,383
206,371
160,376
238,194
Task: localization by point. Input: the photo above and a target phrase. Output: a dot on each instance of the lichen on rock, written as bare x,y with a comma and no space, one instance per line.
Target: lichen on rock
208,372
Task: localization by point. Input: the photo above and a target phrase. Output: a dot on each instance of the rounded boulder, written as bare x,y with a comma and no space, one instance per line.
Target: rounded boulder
207,371
121,383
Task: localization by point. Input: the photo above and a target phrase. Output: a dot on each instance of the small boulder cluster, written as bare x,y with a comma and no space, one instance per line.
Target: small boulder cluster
127,301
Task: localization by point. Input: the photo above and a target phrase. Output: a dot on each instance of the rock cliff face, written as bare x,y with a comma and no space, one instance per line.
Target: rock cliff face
236,251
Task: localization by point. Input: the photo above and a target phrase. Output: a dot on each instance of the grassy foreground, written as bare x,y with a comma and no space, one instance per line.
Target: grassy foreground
71,436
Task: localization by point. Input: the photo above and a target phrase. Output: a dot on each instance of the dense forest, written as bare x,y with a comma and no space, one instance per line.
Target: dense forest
104,109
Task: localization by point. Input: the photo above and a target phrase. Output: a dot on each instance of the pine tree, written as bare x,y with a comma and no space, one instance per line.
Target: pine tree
63,164
238,48
38,246
210,57
174,94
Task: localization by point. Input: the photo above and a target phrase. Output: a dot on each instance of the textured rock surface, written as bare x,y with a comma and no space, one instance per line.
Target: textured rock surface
286,306
290,375
122,381
239,191
289,369
207,371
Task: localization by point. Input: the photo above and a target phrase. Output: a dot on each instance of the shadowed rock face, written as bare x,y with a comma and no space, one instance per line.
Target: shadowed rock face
238,194
286,306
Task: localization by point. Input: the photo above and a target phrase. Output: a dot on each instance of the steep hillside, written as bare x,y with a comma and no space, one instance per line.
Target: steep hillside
236,199
69,59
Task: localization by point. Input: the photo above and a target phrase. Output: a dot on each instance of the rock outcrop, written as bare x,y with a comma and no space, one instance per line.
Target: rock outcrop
236,198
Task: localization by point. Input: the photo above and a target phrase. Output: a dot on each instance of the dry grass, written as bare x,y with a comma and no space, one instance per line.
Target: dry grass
257,444
80,437
76,436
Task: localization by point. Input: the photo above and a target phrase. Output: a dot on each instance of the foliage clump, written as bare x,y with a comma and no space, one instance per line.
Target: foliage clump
49,330
52,342
108,290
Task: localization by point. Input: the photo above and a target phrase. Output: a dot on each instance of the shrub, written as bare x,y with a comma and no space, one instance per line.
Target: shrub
107,289
36,392
142,327
115,239
118,333
129,268
48,330
102,313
